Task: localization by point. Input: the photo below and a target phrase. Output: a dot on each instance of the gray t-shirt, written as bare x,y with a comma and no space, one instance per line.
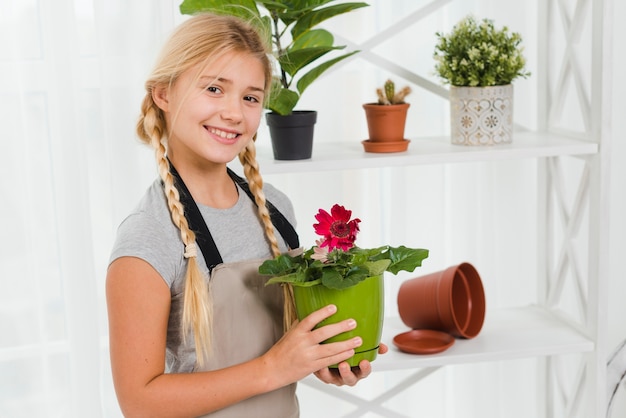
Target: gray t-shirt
148,233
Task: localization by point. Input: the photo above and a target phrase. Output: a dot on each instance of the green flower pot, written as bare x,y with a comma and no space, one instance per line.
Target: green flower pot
363,302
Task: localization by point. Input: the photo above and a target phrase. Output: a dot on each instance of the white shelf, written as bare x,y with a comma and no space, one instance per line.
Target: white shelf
350,155
507,334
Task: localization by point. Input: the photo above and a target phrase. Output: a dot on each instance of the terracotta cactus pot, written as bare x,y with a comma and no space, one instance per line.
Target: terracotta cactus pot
452,300
386,122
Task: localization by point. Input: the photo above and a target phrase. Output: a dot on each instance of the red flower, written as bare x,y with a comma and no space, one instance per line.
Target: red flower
336,228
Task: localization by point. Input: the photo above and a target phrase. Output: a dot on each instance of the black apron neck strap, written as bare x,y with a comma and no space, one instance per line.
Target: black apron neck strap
281,223
196,223
204,239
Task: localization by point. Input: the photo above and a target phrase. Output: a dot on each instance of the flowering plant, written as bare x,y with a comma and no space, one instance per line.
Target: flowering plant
335,261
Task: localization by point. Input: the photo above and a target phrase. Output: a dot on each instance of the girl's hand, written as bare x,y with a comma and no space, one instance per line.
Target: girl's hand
300,352
345,375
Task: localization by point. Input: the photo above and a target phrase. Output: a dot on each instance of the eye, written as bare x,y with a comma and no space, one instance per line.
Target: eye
252,99
214,89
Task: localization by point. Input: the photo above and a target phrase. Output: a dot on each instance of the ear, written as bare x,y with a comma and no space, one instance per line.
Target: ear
159,96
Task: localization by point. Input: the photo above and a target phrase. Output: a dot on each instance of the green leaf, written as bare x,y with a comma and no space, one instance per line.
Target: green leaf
308,78
317,37
295,279
288,11
245,9
292,278
281,265
376,268
294,60
334,279
315,17
405,259
331,278
283,101
307,283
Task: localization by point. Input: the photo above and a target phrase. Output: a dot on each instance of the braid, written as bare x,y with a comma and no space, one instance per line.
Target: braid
251,170
151,123
197,312
253,175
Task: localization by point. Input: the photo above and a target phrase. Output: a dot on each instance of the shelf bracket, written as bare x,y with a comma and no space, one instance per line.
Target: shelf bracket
373,405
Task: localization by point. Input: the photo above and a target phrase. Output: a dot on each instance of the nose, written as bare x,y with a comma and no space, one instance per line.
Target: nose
232,109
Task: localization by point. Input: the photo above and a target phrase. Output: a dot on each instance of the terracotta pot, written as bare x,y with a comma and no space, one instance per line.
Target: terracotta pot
386,122
452,300
363,302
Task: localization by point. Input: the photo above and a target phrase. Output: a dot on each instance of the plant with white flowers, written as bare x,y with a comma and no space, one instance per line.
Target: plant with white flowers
477,54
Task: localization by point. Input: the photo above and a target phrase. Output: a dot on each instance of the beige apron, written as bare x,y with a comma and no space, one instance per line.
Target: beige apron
247,315
247,323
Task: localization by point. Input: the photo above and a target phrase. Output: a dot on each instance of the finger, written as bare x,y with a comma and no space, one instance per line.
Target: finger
335,352
330,330
330,376
314,318
365,368
348,377
382,348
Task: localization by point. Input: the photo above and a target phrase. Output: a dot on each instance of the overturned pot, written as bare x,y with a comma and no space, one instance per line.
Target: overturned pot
451,300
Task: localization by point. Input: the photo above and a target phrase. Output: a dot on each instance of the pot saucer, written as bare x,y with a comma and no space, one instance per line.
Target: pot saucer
385,146
423,341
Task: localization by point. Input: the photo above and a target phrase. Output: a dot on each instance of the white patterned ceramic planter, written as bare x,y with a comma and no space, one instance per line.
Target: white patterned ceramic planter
481,115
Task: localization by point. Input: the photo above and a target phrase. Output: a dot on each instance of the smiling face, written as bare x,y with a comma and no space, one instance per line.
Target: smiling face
213,111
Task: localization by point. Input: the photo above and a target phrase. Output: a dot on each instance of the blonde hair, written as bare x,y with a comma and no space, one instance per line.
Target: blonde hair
202,39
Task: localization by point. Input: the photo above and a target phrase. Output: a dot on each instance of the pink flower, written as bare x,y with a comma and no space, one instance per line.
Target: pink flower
319,253
336,228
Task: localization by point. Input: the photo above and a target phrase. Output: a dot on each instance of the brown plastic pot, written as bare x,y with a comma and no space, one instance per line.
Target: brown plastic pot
451,300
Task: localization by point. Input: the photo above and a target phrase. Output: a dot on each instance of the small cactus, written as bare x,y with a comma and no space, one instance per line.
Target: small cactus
388,95
390,90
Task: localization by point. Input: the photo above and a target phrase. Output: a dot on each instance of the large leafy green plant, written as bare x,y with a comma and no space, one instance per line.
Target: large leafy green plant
335,262
477,54
296,43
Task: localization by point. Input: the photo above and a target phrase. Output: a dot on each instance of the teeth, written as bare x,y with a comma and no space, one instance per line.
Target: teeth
223,134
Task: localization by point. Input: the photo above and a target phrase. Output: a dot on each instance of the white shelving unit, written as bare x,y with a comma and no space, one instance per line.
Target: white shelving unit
346,156
508,333
546,329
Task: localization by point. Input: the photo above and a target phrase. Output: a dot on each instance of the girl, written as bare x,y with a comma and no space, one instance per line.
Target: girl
193,329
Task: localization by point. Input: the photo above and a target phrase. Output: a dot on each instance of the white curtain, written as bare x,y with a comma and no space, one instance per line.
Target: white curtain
71,76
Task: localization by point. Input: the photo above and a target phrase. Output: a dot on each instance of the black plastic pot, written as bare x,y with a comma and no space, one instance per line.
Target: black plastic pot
292,135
